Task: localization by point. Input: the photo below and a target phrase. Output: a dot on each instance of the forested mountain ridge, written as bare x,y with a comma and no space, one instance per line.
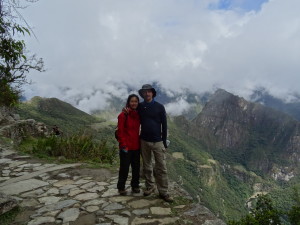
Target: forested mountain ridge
53,111
251,134
233,150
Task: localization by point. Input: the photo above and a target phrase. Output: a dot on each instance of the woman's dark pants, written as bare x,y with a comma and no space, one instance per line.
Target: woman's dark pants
132,157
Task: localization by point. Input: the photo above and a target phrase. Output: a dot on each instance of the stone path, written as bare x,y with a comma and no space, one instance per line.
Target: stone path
57,194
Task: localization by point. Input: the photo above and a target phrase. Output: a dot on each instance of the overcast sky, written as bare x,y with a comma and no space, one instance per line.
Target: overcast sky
91,48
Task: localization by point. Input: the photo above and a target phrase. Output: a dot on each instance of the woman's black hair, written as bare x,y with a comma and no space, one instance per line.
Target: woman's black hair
130,97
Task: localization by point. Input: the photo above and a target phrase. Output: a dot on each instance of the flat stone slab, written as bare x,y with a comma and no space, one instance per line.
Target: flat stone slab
34,174
140,212
52,213
121,198
141,203
6,152
22,174
62,183
166,220
92,208
110,193
4,161
3,178
126,213
121,220
95,202
102,183
86,196
16,163
57,206
179,206
68,187
51,191
63,175
33,193
49,200
160,211
113,206
22,186
82,181
69,215
29,203
96,189
41,220
75,192
88,185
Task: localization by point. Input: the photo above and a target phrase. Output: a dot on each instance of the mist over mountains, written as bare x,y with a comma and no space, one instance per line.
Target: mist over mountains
183,102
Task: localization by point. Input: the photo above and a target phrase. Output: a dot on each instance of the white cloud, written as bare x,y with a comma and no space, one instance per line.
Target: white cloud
93,45
178,107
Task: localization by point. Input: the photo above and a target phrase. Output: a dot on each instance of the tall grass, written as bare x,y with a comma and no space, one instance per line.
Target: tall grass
78,147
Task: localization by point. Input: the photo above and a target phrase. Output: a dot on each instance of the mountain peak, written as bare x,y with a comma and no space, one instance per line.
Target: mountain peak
222,95
53,111
232,124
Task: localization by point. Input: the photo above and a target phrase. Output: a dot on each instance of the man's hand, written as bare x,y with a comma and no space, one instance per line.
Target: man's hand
168,142
125,110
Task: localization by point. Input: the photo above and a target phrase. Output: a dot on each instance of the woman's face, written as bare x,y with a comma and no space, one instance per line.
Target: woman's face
133,103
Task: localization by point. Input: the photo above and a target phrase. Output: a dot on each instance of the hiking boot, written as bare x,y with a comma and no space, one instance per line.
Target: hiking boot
122,192
136,190
148,191
166,198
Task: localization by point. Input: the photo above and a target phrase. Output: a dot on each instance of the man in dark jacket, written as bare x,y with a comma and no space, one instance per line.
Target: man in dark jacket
153,142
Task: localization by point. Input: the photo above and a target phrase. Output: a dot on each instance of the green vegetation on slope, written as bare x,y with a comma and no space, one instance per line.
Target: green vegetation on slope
265,212
53,111
85,138
8,217
204,178
215,177
78,147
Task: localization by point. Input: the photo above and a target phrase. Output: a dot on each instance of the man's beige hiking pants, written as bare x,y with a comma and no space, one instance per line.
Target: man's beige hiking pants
159,167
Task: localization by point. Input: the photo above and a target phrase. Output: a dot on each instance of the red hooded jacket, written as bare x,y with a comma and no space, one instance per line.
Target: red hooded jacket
129,130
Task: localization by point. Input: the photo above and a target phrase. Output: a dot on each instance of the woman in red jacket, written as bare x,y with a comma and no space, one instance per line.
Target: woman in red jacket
129,144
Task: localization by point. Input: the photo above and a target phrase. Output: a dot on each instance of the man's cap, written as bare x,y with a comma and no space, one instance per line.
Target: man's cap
147,87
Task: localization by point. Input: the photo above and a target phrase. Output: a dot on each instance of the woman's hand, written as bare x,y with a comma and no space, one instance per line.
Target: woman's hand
124,150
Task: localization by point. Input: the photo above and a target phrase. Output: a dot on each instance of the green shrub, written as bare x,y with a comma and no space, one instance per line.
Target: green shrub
78,147
8,217
294,215
9,96
264,213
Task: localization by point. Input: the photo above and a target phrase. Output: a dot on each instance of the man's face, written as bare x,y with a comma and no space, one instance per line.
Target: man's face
148,95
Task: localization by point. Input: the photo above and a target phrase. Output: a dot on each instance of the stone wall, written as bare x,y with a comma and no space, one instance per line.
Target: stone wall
11,126
7,116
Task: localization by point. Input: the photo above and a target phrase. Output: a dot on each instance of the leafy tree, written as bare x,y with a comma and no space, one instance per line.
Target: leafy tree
294,213
15,62
264,213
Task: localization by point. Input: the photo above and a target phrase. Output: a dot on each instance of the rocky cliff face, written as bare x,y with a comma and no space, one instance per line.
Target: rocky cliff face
11,126
251,134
